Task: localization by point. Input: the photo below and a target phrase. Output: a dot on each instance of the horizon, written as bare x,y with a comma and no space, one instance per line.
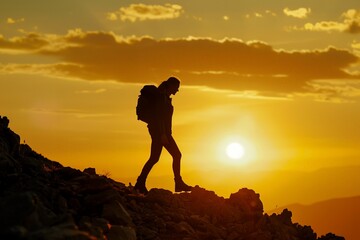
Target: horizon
281,80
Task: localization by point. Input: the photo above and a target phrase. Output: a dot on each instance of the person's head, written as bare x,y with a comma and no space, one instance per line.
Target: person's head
170,86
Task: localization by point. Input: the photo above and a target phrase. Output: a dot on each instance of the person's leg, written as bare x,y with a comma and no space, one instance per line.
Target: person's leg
156,148
174,150
155,152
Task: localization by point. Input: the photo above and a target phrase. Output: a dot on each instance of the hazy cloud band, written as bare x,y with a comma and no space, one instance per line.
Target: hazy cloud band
227,64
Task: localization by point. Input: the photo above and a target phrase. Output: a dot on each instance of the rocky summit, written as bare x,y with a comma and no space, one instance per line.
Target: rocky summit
41,199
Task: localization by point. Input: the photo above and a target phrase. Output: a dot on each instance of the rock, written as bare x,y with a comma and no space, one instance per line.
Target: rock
233,236
11,141
90,171
145,233
100,198
331,236
101,223
161,196
92,184
285,217
86,225
8,165
14,232
35,164
68,173
31,166
4,122
116,214
306,232
206,202
21,209
25,209
160,224
184,227
119,186
199,223
248,202
261,236
60,233
121,233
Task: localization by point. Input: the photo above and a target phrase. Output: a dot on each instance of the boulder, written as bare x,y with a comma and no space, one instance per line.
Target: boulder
68,173
92,184
248,202
144,233
331,236
116,214
90,171
161,196
61,233
10,140
121,233
24,209
101,197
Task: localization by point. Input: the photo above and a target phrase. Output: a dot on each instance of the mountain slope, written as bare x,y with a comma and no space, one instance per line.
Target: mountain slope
41,199
322,184
341,215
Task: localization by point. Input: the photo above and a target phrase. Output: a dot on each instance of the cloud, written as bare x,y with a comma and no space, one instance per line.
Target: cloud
31,41
336,91
96,91
266,13
326,26
355,45
352,20
228,64
142,12
70,112
350,23
54,70
297,13
13,21
271,13
112,16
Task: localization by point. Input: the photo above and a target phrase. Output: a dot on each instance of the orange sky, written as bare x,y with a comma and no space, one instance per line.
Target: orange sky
281,79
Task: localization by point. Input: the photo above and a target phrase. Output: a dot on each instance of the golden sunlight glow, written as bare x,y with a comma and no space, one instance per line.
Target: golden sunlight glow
235,151
259,107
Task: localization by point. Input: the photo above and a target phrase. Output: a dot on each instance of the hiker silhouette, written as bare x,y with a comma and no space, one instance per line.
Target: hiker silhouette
160,129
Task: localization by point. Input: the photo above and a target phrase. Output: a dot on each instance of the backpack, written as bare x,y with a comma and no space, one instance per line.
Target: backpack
146,107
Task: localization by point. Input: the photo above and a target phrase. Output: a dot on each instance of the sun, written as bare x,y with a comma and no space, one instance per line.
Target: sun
235,151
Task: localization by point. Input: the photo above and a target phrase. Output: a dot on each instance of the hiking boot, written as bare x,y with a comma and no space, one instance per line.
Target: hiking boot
180,186
140,188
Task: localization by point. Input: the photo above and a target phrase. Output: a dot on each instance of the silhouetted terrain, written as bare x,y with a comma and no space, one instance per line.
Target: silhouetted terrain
41,199
320,185
340,215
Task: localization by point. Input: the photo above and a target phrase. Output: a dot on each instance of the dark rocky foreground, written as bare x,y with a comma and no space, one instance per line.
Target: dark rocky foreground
41,199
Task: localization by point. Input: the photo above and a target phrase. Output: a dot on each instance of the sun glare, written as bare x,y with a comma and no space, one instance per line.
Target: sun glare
235,151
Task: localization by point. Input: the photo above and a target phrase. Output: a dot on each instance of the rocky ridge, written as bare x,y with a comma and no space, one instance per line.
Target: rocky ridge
41,199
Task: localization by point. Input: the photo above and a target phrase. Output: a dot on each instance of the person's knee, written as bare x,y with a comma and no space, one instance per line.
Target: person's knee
177,156
153,160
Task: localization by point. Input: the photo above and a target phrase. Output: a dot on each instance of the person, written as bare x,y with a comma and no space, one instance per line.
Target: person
160,129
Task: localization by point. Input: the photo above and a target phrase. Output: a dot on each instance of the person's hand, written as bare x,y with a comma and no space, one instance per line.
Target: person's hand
164,139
